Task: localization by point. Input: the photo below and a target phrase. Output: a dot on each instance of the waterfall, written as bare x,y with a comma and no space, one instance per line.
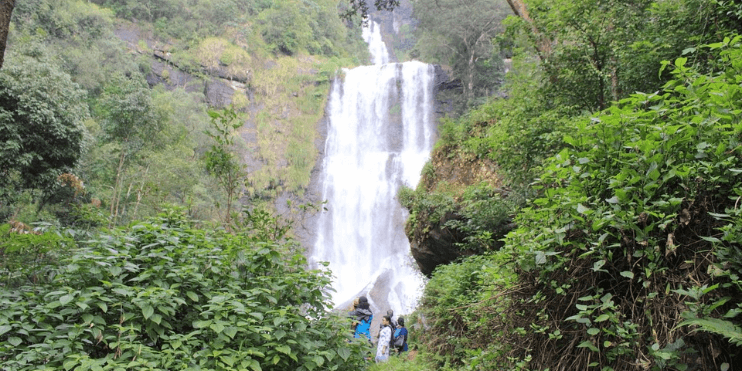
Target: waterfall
381,131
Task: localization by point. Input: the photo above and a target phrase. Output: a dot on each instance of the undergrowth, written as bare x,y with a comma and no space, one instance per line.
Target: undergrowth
629,257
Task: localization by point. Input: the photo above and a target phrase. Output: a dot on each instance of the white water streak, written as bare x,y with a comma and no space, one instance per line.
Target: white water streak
380,135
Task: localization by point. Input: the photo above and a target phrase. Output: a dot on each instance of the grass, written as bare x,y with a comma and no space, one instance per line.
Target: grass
408,361
292,94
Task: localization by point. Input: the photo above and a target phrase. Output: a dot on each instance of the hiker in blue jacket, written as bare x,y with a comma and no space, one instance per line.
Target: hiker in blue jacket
399,339
363,317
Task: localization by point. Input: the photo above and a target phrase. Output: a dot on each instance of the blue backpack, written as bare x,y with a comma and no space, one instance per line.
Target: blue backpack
364,328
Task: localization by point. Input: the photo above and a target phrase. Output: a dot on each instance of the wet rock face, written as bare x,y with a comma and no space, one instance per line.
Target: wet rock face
437,247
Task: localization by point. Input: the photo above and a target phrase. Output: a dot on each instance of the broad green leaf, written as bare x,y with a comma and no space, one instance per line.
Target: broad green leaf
66,299
69,364
14,341
257,315
589,345
230,331
283,349
217,327
147,311
87,318
229,360
598,264
540,258
192,295
344,353
103,307
593,331
4,329
602,318
319,360
627,274
156,318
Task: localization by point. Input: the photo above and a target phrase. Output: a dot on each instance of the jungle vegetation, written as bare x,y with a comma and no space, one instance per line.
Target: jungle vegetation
134,234
611,237
610,240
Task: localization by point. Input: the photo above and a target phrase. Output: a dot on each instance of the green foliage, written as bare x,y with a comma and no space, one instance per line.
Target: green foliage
79,33
134,176
220,160
130,122
163,295
41,123
596,52
169,170
285,28
427,209
485,217
462,306
27,252
459,34
729,265
127,112
64,19
625,233
624,191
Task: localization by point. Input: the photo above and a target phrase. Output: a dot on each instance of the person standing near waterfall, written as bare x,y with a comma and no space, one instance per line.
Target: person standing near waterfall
363,317
352,315
400,336
392,323
385,337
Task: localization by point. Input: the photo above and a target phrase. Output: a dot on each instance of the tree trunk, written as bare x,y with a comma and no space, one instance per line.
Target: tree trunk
6,11
543,45
139,192
116,187
470,78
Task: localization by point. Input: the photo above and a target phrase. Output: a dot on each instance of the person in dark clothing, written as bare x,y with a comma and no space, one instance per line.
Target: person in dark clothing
400,333
393,322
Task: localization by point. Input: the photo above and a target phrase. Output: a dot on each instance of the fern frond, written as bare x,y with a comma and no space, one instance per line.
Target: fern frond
717,326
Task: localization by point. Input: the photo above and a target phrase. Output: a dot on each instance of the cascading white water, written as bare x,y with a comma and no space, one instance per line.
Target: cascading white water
380,135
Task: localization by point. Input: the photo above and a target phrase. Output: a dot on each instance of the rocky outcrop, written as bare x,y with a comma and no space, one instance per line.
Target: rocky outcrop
433,239
446,89
438,245
217,84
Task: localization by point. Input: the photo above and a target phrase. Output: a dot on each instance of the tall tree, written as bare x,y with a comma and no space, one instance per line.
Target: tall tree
221,161
130,120
41,124
543,45
460,32
6,12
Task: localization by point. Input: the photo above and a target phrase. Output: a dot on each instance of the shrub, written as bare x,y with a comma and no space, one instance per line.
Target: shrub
164,295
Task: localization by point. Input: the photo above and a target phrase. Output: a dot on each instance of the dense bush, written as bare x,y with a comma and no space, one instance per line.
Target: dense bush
164,295
41,123
629,256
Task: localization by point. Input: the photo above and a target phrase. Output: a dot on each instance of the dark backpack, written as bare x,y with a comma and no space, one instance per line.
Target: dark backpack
398,338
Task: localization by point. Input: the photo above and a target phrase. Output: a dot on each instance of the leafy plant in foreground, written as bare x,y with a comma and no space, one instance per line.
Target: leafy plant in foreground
163,295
